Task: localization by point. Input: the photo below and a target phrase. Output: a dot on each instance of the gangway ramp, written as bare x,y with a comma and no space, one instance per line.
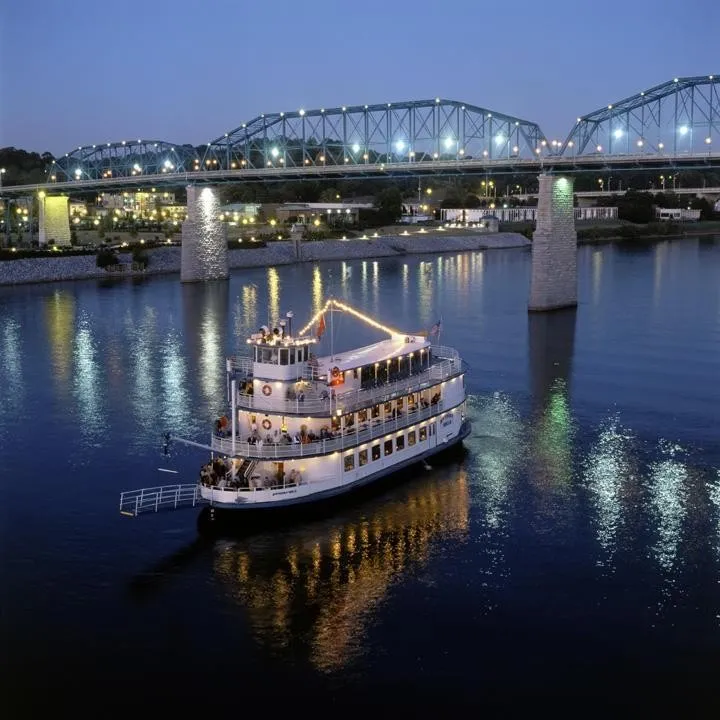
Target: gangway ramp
155,499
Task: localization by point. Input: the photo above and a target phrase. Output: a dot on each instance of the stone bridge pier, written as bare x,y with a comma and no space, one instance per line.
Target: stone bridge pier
53,219
204,239
553,284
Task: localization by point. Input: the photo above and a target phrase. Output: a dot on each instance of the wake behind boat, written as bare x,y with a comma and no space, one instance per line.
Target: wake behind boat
301,429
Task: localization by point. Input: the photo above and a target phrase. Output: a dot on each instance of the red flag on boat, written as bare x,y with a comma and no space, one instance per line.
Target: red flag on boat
321,327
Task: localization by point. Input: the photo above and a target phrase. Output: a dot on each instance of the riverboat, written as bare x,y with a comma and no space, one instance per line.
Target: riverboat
302,428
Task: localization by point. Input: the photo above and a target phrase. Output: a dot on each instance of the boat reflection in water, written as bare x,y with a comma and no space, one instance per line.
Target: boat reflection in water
315,587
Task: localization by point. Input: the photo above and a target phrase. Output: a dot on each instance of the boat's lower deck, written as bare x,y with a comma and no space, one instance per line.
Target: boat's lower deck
249,483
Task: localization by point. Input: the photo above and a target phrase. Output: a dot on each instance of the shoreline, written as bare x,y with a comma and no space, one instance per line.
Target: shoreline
166,260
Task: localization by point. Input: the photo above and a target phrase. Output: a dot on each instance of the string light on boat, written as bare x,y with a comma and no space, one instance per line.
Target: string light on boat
346,308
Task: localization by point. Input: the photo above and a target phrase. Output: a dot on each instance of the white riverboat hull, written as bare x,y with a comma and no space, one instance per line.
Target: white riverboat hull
268,500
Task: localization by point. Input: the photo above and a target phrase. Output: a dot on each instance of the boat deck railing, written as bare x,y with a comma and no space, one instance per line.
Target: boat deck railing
155,499
350,438
449,365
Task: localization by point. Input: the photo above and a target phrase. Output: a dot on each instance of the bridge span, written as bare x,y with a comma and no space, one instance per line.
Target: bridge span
431,168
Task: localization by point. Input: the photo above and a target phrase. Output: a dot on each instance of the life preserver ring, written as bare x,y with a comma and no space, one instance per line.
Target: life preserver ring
336,372
266,424
266,390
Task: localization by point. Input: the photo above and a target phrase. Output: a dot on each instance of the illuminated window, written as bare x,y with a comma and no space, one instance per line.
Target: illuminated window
423,434
376,452
411,438
400,442
388,447
363,458
349,462
375,412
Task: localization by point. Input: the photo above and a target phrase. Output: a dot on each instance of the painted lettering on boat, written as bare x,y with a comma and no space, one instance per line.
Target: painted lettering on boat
284,492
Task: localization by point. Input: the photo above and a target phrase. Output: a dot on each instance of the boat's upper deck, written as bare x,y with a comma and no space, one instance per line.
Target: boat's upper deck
379,352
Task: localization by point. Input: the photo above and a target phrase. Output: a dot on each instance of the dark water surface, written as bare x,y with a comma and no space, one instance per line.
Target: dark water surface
571,559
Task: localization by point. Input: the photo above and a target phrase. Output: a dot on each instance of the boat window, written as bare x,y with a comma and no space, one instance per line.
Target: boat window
423,434
362,415
349,462
375,412
432,429
362,458
264,355
411,438
388,447
388,408
292,356
376,452
400,442
283,356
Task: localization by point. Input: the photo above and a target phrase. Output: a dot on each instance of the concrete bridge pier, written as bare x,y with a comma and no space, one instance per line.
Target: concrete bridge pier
204,241
554,250
54,219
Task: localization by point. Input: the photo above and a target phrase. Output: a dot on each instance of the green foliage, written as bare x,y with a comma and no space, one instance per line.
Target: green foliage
140,257
389,204
24,168
105,258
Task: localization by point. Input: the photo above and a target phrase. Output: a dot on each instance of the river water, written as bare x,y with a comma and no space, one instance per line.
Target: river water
572,555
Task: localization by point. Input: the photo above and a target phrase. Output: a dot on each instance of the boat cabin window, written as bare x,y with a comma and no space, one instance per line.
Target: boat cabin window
376,452
388,447
280,355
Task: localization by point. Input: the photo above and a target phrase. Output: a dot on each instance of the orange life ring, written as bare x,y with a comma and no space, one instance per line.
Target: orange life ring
266,390
266,424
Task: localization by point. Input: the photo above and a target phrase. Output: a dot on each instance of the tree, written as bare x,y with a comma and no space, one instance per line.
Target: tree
389,204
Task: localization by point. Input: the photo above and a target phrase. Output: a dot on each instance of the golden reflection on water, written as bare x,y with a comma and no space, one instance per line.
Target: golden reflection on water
426,284
318,298
598,256
60,324
273,281
319,585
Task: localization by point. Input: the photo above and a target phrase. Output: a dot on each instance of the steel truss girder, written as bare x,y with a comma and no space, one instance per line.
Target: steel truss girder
677,117
125,159
416,131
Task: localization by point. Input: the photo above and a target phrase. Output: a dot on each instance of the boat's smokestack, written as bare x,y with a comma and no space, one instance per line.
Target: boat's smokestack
289,315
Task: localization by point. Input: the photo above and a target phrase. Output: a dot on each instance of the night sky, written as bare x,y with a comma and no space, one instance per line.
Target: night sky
77,72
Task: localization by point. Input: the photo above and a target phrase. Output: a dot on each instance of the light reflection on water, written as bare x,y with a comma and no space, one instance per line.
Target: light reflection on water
88,387
12,360
608,469
340,570
668,478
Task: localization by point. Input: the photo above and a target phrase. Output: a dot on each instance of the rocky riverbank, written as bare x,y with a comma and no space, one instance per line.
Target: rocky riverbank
164,260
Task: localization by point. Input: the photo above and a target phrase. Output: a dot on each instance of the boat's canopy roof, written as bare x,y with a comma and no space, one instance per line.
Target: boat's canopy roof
396,346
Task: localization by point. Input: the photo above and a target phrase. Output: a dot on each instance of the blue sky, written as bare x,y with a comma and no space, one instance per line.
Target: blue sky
75,72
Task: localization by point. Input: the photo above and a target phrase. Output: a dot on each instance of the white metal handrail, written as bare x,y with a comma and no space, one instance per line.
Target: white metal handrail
322,447
154,499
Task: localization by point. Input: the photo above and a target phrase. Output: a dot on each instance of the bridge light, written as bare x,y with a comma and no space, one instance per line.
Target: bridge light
683,130
274,152
499,139
344,108
579,119
708,140
599,148
449,142
437,100
516,149
139,140
618,134
435,156
485,153
661,146
301,112
640,143
537,151
282,114
609,107
399,145
355,148
675,79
